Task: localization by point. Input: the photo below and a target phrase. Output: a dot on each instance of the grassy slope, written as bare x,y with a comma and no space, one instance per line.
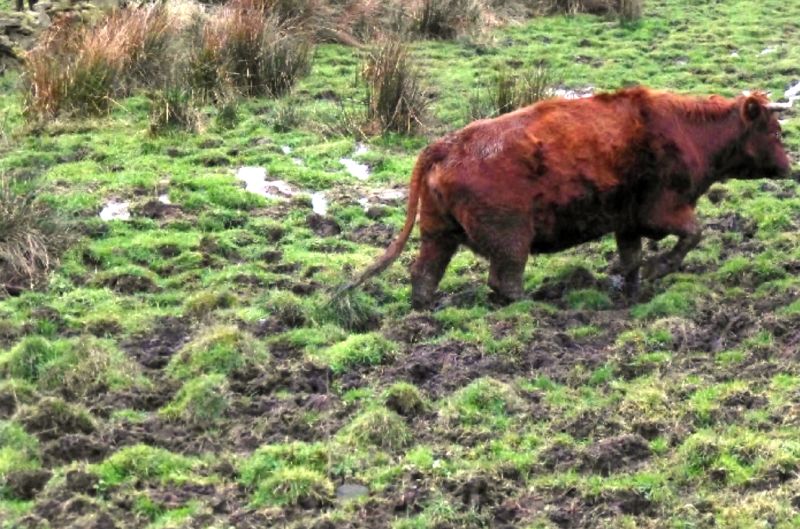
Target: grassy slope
575,411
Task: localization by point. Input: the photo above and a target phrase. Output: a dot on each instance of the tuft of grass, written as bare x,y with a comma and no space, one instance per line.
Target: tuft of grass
203,303
28,358
359,350
200,401
680,299
294,486
18,449
396,100
287,308
52,416
219,349
377,427
353,311
484,402
145,463
588,299
87,365
268,459
404,398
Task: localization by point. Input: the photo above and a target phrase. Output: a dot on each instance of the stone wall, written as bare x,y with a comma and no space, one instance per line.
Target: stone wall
18,30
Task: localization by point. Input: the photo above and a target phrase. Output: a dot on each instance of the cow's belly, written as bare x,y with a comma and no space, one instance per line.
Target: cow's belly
559,228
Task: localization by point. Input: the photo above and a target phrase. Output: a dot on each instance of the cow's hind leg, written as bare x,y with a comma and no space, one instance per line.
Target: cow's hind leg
427,271
630,254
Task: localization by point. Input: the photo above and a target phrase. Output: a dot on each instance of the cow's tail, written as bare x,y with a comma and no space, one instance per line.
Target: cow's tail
424,163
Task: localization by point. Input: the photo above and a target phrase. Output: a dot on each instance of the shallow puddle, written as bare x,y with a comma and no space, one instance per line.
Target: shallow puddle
319,204
357,169
255,181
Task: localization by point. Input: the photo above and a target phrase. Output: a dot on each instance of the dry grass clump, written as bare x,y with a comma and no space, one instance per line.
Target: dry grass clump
626,10
253,47
446,19
396,100
256,52
31,237
80,68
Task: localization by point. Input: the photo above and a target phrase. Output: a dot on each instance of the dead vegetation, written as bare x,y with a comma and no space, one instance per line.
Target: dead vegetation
31,237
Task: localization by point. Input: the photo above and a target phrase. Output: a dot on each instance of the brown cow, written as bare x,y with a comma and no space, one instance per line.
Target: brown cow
562,172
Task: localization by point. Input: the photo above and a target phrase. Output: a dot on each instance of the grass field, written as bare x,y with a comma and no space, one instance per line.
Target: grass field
181,367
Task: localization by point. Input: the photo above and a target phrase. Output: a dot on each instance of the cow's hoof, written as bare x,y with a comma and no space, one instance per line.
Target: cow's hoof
498,298
656,269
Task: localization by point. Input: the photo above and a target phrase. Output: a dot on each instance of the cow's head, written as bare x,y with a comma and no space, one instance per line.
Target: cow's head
761,152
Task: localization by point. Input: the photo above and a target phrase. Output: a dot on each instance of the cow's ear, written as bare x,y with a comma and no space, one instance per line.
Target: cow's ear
752,109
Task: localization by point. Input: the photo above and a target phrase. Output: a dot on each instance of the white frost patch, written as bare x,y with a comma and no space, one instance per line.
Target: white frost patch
255,181
734,54
357,169
298,162
319,204
577,93
164,199
767,51
116,210
364,202
286,149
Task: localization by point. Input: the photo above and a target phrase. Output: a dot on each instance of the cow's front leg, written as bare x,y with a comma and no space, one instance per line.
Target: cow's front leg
630,255
683,223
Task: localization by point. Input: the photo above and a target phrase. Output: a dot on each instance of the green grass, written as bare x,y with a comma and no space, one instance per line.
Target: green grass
268,388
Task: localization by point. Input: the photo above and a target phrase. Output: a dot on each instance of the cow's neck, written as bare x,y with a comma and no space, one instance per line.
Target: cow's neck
708,142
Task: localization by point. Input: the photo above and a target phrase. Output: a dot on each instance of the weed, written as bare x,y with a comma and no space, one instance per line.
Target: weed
32,236
510,90
174,108
258,53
